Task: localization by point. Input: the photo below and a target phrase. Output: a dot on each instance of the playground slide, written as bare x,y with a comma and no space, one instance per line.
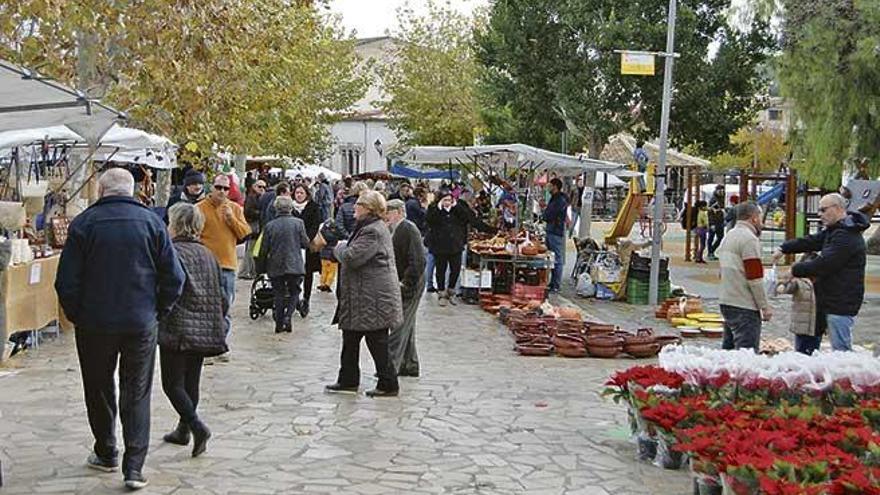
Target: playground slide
774,193
626,217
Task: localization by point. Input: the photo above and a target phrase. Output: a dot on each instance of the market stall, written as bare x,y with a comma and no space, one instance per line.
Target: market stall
517,262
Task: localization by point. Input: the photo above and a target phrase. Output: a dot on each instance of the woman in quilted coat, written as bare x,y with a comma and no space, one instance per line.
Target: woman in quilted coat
195,329
369,297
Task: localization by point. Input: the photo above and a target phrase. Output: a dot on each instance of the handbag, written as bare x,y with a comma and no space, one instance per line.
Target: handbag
318,243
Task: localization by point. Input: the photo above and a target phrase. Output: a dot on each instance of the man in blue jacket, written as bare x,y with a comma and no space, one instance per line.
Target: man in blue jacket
838,272
554,216
118,275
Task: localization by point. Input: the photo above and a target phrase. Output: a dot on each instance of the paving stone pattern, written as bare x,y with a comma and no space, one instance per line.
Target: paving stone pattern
480,420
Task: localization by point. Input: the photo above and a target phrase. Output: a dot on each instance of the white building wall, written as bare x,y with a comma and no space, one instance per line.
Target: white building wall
354,149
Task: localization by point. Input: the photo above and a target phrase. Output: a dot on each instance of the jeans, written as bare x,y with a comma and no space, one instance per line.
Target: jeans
742,328
227,285
453,263
556,243
181,374
429,268
716,234
702,234
840,331
349,360
286,289
136,353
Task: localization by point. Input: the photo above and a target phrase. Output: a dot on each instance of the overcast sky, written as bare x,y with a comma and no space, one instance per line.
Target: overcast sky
372,18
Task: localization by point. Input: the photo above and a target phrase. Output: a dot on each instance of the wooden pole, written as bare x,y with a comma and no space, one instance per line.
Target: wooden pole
791,210
688,213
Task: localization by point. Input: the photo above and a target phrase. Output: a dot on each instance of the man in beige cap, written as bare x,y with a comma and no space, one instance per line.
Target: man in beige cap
225,226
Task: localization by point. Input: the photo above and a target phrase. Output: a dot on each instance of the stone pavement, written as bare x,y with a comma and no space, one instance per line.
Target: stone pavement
480,420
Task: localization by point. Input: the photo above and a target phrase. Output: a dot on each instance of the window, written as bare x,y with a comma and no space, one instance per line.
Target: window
774,114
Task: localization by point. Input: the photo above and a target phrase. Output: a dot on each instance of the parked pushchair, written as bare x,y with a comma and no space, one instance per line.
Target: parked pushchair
262,296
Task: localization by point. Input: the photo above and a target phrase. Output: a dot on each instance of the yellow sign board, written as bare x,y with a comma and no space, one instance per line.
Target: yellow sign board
637,64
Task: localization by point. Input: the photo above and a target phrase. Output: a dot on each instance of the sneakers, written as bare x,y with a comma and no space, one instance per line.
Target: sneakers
338,388
180,435
431,290
450,296
382,393
105,465
442,300
134,480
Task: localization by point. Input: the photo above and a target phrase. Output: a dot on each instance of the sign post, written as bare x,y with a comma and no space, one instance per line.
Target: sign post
638,63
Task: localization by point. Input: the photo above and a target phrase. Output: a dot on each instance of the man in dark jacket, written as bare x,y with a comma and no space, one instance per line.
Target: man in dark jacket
554,216
409,256
267,202
323,196
838,271
193,189
118,275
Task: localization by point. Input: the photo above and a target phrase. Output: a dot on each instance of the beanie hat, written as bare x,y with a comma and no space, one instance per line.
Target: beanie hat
193,177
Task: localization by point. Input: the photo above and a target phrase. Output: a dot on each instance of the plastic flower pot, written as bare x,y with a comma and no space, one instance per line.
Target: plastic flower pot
731,485
666,457
707,485
647,447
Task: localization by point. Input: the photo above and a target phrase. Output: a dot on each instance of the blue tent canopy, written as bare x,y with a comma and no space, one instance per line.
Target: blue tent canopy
399,169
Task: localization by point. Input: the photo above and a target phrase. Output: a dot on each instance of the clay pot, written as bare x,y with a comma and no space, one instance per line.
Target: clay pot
566,340
569,313
593,328
642,350
664,340
535,350
529,251
604,346
641,337
571,352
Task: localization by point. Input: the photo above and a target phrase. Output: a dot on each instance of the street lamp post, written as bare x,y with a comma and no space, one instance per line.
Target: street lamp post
660,179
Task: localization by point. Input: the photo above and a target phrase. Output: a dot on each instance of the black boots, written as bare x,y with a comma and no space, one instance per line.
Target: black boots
303,308
200,434
179,436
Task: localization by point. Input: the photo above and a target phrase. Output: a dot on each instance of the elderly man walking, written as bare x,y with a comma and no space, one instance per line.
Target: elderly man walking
409,257
743,299
284,238
838,272
117,277
225,226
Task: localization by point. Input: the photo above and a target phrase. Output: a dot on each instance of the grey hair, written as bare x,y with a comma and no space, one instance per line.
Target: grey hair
116,182
747,210
186,220
284,204
359,188
836,200
396,205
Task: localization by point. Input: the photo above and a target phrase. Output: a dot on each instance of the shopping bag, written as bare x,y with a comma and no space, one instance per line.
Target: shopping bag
256,251
770,281
585,286
318,243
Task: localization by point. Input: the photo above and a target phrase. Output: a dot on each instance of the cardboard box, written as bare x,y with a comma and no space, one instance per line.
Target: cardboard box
27,294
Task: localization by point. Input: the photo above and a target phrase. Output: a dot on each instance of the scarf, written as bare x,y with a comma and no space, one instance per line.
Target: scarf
361,224
299,207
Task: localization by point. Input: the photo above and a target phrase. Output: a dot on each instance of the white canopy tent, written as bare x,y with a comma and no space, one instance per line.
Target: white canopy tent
120,144
310,171
30,101
505,155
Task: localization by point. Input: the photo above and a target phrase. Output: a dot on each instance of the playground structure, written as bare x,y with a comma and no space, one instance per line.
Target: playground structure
634,207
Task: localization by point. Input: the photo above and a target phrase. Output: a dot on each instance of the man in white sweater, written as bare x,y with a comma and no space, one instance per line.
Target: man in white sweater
743,300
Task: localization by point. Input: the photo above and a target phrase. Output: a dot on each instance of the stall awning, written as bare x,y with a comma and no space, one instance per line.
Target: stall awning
120,144
411,173
505,155
28,101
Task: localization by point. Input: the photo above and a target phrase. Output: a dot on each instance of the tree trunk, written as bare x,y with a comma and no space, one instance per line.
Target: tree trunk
163,187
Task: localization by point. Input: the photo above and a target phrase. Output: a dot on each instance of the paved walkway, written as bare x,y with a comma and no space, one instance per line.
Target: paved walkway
480,420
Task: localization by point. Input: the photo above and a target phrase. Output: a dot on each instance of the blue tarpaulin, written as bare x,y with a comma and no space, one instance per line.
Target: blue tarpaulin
399,169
